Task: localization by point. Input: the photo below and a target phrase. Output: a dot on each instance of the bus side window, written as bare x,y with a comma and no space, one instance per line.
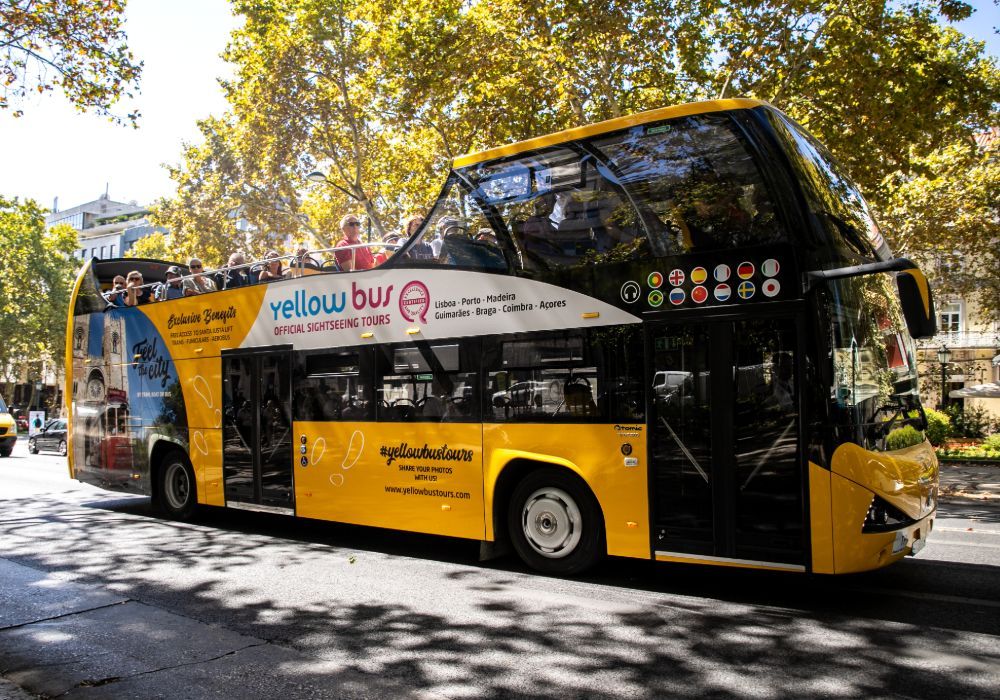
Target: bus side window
428,383
330,386
546,378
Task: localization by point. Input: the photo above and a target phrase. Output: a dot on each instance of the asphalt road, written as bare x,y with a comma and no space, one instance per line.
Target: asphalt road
343,611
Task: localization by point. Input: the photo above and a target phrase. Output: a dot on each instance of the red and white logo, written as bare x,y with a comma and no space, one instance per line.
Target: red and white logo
414,301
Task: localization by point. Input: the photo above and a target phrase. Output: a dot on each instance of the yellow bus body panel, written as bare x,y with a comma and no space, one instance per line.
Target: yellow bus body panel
820,520
68,397
594,452
351,476
908,479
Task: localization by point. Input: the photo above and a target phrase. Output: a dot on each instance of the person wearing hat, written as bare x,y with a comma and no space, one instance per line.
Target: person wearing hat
172,288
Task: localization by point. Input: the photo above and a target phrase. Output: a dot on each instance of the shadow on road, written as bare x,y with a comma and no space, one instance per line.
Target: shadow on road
670,630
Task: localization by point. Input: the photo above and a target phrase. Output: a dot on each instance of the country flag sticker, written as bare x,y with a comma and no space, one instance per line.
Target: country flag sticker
722,273
677,297
769,268
676,277
699,275
745,270
770,288
746,290
655,298
723,292
699,294
654,280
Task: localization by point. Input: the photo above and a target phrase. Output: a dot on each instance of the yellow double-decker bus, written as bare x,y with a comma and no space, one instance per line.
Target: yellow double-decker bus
677,335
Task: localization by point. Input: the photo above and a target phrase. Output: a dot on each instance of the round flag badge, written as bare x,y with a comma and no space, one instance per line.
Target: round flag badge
769,268
723,292
654,280
745,270
722,272
746,290
699,294
676,277
770,288
677,297
698,275
655,298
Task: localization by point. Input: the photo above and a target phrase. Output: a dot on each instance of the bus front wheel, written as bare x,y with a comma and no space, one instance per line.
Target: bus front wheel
176,494
555,523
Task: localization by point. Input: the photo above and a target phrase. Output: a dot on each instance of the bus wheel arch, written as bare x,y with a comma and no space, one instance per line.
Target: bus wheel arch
175,491
550,516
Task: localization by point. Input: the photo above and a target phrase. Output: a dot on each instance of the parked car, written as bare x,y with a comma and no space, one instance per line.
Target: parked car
8,431
52,438
20,417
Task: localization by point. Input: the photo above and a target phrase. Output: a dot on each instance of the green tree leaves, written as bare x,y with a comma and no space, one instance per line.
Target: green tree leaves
38,270
382,95
75,45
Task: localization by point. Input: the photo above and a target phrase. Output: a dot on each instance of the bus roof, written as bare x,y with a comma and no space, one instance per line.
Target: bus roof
579,132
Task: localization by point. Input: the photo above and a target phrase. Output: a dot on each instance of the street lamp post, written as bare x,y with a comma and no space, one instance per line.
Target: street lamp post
944,356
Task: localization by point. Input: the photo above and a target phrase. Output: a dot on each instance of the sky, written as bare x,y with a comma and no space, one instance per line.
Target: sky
55,151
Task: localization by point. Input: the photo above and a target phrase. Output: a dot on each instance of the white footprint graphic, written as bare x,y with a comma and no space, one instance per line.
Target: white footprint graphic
313,459
357,443
200,442
206,395
337,479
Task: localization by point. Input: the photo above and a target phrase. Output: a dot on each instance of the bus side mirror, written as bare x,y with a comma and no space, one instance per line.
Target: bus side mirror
918,303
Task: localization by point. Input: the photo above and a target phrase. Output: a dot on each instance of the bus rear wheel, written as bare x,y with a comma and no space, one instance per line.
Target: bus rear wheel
176,493
555,523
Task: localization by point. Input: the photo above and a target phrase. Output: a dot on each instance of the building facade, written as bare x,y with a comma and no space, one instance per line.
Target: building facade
105,228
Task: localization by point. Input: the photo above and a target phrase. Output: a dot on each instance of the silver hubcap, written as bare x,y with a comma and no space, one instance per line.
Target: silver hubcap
552,523
177,486
62,448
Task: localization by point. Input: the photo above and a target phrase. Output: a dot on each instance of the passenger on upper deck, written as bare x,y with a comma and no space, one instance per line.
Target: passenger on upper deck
198,283
272,267
232,274
303,259
421,250
356,258
113,295
133,295
172,288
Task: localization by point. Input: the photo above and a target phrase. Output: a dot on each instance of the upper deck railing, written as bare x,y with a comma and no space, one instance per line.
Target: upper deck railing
297,266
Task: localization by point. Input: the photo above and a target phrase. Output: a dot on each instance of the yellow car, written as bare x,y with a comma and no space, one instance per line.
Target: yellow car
8,431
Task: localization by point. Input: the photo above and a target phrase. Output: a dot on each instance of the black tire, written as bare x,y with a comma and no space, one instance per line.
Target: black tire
555,523
62,448
176,491
5,452
32,447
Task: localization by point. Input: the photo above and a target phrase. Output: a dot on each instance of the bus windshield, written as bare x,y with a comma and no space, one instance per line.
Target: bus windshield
666,188
874,361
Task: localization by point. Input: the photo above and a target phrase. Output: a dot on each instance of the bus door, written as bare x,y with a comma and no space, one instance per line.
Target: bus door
257,431
724,441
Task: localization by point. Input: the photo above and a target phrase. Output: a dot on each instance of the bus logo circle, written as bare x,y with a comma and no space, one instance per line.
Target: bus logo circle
414,301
